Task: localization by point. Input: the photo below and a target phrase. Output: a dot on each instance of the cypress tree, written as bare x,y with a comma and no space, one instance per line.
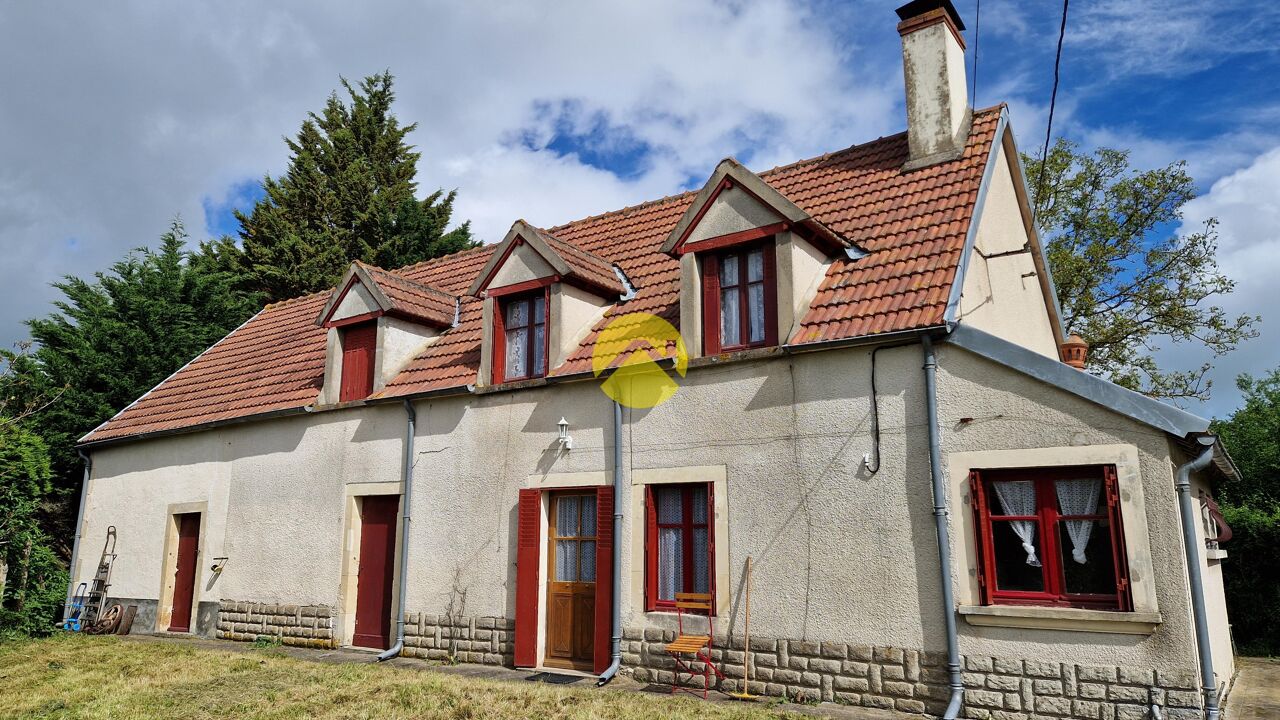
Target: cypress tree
348,194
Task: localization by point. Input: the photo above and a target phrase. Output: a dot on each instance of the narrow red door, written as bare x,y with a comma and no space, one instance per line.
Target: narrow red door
358,347
184,577
377,563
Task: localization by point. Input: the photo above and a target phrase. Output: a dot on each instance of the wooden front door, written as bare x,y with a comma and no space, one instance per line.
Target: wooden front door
571,585
184,575
377,565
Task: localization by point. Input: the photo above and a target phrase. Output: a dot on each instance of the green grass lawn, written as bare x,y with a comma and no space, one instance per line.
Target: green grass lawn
105,677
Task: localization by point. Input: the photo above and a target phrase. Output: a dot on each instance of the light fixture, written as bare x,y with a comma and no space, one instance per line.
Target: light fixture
566,442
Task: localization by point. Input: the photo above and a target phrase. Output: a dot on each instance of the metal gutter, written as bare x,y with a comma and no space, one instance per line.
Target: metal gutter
1190,543
1137,406
615,642
471,389
955,678
406,504
971,237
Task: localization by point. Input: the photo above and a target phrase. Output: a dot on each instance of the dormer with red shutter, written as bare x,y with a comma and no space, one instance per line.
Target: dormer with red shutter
751,261
378,321
542,296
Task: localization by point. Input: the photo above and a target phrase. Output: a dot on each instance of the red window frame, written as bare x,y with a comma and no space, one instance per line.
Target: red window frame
500,304
359,350
1048,518
711,310
687,526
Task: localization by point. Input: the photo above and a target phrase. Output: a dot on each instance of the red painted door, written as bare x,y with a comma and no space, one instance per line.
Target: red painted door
184,576
358,346
377,564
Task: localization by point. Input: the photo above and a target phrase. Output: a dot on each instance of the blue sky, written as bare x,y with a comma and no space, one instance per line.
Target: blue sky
556,110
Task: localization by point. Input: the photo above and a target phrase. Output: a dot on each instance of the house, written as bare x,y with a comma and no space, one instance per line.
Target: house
849,370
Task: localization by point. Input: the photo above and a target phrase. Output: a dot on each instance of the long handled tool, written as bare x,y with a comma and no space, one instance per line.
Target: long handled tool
746,644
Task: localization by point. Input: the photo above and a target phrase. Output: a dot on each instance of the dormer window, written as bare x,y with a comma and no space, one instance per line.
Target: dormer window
751,261
377,322
542,295
521,337
359,349
740,299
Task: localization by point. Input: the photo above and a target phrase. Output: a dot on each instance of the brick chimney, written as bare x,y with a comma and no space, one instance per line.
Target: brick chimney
938,112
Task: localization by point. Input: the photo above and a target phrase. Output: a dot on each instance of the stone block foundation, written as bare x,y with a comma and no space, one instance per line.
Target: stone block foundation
469,639
905,680
301,625
915,681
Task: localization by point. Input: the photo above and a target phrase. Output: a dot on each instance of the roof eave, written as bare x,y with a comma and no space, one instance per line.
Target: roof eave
1148,411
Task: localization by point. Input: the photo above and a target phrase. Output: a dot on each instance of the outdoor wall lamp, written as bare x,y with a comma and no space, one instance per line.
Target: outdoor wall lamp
566,442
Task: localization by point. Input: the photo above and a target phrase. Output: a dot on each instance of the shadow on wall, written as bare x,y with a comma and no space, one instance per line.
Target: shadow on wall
513,520
232,442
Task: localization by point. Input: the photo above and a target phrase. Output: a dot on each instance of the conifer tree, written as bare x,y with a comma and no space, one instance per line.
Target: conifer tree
113,338
348,194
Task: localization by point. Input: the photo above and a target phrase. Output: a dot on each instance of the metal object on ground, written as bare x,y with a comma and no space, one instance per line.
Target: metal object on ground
107,622
126,622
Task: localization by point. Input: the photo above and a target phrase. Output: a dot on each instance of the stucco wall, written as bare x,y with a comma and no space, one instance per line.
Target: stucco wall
399,341
522,265
937,94
1011,411
734,210
840,554
1002,292
357,301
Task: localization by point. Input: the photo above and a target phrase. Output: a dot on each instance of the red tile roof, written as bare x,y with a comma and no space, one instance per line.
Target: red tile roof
913,224
588,267
413,299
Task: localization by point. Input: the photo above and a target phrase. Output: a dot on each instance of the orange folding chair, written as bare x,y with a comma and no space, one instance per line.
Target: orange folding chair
699,646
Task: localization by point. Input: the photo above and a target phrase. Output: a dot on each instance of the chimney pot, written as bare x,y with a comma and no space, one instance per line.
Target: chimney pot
938,112
1075,351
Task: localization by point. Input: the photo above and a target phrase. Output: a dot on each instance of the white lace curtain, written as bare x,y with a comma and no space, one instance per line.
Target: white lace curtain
1018,497
1079,497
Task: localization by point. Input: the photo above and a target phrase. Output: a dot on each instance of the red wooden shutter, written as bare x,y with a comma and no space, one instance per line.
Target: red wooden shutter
359,342
1120,559
650,550
499,359
604,577
710,305
711,547
770,293
977,497
528,535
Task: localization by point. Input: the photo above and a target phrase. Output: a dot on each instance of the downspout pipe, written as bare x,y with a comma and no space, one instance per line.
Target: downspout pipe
955,681
1209,685
75,544
411,419
615,642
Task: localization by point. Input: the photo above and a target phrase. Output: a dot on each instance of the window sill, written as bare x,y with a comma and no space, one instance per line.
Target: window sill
1073,619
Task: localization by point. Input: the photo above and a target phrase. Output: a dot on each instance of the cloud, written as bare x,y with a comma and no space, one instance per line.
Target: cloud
1247,206
1138,37
117,117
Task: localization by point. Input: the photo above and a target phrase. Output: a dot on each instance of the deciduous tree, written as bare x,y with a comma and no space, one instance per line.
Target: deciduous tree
1127,281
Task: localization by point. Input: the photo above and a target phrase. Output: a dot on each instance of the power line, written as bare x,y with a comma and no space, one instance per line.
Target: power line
977,26
1053,100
